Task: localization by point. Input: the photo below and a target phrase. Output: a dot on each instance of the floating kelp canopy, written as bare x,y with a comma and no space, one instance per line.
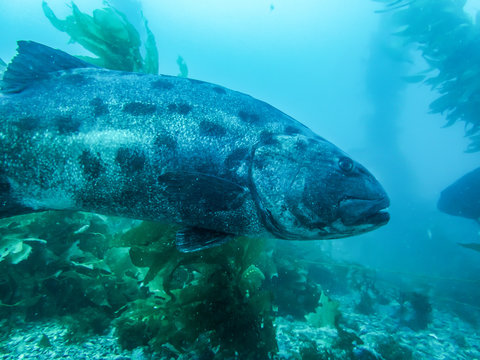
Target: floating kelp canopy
449,41
111,37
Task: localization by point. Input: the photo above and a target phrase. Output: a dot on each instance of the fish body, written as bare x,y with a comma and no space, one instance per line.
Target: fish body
218,162
462,198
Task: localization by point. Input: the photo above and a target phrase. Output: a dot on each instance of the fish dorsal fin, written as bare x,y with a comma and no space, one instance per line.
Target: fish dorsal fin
34,62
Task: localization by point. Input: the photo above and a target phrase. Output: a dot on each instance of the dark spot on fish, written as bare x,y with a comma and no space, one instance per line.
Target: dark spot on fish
129,197
165,141
130,160
182,109
28,123
4,185
75,79
219,90
203,163
139,109
243,115
67,124
208,128
291,130
301,145
99,107
248,117
236,156
203,167
266,138
161,85
197,82
4,189
258,163
91,164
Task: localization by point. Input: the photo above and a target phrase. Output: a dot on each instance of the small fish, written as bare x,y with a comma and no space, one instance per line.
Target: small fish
462,198
216,162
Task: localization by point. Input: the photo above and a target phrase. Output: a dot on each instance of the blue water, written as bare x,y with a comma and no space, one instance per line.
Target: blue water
334,66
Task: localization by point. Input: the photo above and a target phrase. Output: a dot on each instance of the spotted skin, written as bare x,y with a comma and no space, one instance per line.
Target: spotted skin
166,149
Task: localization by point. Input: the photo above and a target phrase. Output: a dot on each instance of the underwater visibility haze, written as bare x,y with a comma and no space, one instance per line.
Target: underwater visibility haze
144,216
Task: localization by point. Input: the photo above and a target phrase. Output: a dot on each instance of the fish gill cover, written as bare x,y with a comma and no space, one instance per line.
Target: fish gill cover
449,41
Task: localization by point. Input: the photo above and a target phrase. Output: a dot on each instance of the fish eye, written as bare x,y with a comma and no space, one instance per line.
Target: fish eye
345,164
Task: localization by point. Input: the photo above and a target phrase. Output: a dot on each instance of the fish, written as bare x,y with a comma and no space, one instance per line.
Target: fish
462,198
472,246
216,162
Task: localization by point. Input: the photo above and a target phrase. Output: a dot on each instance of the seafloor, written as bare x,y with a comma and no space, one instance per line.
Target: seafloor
447,337
83,286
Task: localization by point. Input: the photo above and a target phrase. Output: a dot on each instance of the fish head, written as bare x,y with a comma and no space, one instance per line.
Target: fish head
307,188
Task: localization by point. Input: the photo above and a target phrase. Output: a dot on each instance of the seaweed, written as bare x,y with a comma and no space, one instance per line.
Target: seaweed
366,305
449,41
326,313
310,352
295,292
182,66
111,37
68,267
217,292
415,310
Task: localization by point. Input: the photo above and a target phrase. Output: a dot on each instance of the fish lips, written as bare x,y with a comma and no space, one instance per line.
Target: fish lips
355,211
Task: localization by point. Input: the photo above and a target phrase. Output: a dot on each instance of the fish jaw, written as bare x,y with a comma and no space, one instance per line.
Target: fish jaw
355,212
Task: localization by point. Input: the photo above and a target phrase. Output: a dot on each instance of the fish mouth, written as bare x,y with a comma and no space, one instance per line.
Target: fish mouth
354,211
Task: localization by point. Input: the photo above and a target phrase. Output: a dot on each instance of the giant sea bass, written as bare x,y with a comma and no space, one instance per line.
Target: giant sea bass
216,162
462,198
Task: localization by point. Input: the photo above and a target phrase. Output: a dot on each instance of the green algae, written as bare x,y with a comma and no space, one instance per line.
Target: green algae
449,41
182,66
97,273
68,267
326,313
111,37
217,293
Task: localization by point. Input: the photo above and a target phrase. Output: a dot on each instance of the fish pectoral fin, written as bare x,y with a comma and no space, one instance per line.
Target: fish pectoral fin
206,193
192,239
